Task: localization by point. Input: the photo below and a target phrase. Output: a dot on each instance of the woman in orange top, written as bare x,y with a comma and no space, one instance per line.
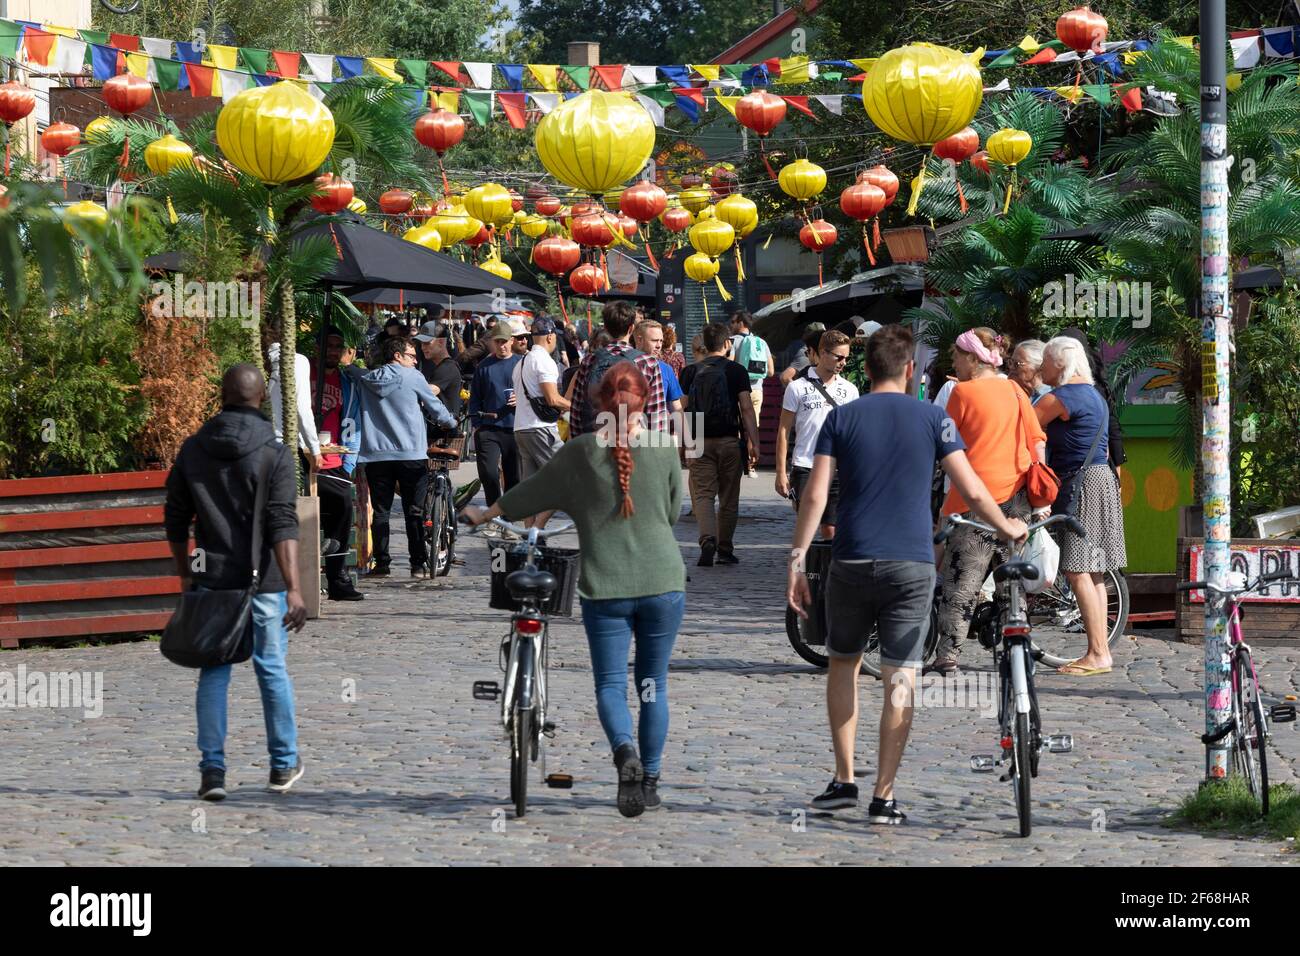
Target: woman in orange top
1001,432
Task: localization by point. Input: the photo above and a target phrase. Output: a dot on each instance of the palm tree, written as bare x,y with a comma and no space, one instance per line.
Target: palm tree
1154,235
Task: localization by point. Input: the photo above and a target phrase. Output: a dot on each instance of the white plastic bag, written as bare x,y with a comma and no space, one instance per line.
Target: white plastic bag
1044,553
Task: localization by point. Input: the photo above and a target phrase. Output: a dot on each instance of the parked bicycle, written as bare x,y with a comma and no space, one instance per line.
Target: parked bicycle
534,594
438,516
1248,723
1058,623
1003,626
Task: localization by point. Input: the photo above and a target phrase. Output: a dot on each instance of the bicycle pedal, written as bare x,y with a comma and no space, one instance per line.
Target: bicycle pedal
486,690
983,763
1059,743
560,781
548,728
1282,713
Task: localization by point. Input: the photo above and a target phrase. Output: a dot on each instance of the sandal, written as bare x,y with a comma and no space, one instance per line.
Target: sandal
941,665
1076,670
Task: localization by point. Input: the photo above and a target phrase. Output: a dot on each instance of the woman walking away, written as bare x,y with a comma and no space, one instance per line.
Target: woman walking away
624,494
1077,421
1002,435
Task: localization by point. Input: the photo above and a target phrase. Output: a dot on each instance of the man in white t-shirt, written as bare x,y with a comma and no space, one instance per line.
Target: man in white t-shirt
807,401
536,381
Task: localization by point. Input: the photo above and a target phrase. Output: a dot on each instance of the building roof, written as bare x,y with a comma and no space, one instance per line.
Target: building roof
786,20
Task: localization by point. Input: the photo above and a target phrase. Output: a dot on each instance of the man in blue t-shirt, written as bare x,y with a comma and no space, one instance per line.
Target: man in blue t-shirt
884,447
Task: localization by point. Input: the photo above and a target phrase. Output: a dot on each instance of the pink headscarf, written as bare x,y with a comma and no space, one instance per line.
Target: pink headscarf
968,341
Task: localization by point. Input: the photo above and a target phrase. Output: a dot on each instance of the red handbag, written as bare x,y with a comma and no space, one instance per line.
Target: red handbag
1041,483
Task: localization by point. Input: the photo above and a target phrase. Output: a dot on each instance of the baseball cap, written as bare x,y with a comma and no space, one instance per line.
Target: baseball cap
432,330
518,327
543,326
816,327
869,328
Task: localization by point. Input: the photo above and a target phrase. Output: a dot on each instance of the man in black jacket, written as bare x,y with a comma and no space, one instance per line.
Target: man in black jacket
214,484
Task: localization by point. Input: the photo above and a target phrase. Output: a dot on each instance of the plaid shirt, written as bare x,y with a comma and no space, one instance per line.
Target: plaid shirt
656,407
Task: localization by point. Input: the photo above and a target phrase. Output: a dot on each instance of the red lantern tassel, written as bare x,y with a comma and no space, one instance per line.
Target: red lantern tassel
605,269
126,152
961,198
649,254
763,150
445,187
560,295
333,235
6,152
819,272
401,298
866,242
875,233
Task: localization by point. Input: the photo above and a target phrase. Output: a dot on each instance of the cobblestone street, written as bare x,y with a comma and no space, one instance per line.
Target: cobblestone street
410,769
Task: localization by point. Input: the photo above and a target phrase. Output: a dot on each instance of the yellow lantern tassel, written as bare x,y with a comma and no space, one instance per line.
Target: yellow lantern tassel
740,269
1006,205
722,290
705,299
768,241
918,184
171,211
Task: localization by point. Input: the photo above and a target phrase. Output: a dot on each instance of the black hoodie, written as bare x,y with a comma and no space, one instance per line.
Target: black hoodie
214,484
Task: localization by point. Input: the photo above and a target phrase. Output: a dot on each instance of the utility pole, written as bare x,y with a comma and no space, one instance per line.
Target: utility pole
1216,329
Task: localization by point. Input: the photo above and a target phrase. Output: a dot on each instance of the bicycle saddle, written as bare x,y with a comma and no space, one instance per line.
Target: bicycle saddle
1017,569
528,584
437,451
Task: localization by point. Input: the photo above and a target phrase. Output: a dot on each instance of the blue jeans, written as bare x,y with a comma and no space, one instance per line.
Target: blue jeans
270,641
610,625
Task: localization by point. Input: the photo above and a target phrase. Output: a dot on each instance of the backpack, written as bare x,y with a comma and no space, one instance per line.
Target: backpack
602,362
752,355
710,398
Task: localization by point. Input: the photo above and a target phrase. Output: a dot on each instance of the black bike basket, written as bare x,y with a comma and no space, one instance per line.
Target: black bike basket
561,562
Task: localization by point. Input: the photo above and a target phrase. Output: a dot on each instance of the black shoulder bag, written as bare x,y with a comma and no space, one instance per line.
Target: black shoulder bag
214,627
544,410
817,384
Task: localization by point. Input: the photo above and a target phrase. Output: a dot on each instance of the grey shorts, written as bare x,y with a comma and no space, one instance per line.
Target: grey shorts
536,447
893,596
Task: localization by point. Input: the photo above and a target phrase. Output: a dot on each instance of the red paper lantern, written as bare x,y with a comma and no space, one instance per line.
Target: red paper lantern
587,279
594,229
556,255
548,206
818,235
480,237
760,111
1082,30
16,102
439,130
692,181
881,177
516,201
628,225
60,138
958,147
861,201
724,182
676,219
421,211
583,209
394,202
535,191
980,161
126,93
333,193
643,201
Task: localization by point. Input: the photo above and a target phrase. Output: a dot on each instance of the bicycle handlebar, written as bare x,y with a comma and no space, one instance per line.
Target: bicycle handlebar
1269,578
954,520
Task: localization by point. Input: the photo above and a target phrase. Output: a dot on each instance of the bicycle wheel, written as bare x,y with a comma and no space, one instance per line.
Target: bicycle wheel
1249,740
797,630
443,528
1058,626
521,748
1020,771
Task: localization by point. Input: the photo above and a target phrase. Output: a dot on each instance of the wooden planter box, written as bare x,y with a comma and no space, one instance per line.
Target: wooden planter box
1272,617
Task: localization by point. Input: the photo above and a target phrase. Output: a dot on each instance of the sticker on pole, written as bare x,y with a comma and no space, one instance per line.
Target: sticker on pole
1209,372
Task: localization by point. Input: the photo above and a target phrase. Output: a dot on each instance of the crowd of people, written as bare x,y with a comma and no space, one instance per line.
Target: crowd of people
560,421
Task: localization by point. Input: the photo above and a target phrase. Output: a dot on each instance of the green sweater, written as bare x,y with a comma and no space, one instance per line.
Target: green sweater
621,557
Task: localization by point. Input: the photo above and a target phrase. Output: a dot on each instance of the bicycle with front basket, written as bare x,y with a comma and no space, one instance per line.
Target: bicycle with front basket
1003,626
1248,722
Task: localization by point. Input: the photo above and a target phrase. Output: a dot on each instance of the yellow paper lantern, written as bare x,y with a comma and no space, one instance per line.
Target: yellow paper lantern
165,154
700,267
455,224
695,199
490,203
595,141
708,212
358,205
98,129
87,214
922,93
426,236
277,133
534,226
712,237
1009,146
737,211
802,180
497,268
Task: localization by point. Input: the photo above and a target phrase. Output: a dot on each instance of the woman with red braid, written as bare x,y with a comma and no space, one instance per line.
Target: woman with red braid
622,486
